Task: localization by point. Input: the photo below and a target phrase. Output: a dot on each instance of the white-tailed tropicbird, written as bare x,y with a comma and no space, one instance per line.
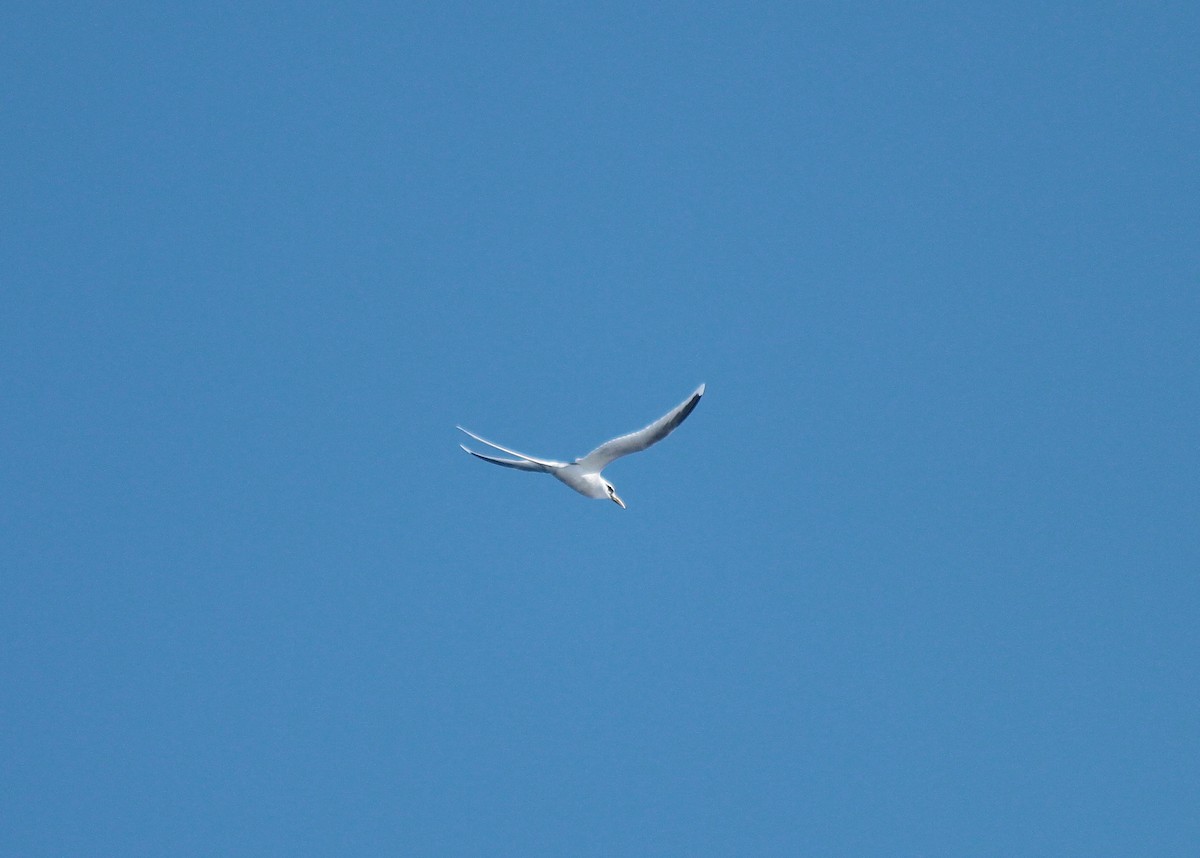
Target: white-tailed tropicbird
583,474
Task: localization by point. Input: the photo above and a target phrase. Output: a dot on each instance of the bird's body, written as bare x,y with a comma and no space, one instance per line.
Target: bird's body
587,484
583,475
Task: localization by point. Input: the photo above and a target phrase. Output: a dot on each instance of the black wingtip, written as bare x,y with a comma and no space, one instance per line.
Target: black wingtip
689,408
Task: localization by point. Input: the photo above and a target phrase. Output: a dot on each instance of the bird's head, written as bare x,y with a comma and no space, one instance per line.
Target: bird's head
612,494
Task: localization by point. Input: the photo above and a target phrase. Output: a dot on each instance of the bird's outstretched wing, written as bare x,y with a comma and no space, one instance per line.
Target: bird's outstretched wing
519,464
523,462
635,442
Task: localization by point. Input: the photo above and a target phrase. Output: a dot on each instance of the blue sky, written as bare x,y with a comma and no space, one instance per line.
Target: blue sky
918,577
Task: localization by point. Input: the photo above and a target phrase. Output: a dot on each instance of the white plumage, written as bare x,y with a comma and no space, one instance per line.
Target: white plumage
583,474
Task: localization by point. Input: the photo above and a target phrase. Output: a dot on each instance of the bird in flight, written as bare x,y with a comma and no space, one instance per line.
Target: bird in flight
583,474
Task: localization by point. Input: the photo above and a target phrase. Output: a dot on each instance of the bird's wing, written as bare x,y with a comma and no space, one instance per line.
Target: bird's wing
635,442
519,464
545,464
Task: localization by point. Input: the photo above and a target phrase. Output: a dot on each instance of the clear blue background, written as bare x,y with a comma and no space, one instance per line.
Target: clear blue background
918,577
